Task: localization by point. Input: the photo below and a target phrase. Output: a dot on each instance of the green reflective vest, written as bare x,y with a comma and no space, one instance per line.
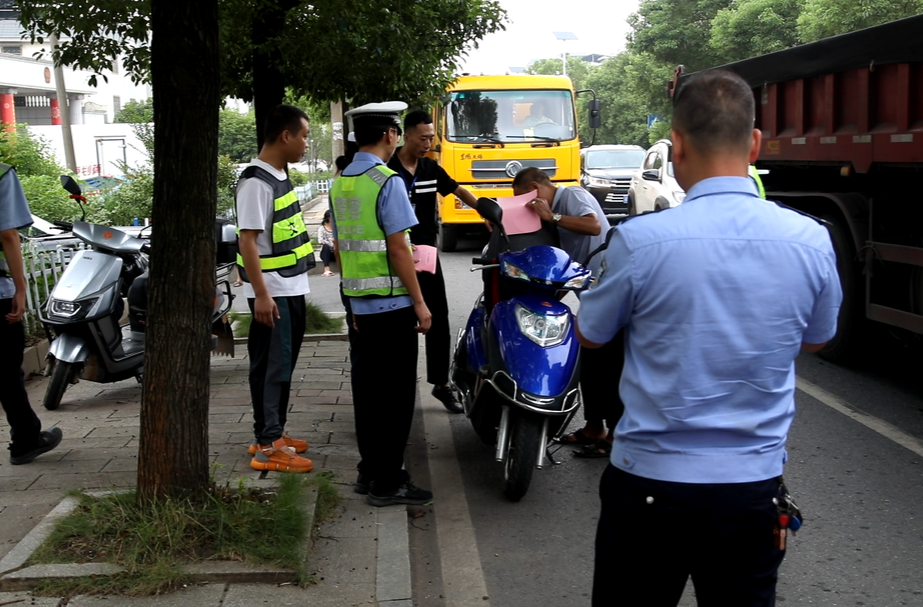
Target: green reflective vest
363,244
291,243
759,182
4,265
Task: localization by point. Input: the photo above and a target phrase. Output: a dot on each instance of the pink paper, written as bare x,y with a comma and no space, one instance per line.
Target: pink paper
518,217
424,257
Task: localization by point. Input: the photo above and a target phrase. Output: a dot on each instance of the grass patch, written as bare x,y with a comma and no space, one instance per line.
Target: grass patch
153,541
316,321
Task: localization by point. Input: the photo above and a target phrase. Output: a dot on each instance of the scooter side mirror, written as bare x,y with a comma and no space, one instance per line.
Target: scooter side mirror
490,210
70,185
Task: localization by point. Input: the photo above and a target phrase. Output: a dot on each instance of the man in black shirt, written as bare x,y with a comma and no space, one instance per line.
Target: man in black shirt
423,179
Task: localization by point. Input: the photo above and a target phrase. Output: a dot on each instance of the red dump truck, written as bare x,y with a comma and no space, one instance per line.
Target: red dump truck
842,123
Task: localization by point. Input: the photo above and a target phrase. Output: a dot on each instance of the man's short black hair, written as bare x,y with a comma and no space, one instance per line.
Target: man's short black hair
715,111
283,118
528,175
370,135
416,117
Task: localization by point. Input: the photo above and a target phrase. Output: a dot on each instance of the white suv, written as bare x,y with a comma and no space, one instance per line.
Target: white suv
653,186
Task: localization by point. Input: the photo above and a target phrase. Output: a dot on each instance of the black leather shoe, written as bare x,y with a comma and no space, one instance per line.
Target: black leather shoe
445,394
46,442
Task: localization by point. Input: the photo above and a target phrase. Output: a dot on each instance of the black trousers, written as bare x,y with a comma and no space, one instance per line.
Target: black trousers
600,371
384,382
653,535
24,424
326,255
273,353
438,338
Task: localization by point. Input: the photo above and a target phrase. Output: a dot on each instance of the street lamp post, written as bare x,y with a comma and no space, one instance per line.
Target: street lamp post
565,36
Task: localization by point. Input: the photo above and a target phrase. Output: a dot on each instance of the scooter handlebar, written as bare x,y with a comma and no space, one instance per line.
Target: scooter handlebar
64,224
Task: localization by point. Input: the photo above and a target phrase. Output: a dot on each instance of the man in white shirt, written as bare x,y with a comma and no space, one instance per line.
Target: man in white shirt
273,260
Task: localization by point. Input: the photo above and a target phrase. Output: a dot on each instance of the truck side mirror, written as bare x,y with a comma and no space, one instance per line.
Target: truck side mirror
595,117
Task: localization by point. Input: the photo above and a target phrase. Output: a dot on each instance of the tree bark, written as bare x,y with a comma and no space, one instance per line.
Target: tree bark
173,455
268,80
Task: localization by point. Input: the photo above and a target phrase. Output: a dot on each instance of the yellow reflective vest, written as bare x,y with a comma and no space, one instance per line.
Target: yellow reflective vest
363,244
291,243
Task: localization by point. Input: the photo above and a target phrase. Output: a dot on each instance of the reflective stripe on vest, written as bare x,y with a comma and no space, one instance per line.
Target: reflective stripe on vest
363,244
4,266
755,176
291,243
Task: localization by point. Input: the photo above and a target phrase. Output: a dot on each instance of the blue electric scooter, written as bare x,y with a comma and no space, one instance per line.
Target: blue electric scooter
517,362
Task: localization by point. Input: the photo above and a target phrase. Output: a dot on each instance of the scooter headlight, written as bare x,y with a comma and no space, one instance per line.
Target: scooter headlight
577,282
514,272
545,330
73,310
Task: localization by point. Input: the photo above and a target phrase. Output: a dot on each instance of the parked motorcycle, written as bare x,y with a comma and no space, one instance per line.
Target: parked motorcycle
83,316
517,361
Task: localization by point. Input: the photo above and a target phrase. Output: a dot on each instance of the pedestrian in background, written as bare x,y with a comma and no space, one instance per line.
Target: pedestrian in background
28,439
325,240
273,259
717,297
371,215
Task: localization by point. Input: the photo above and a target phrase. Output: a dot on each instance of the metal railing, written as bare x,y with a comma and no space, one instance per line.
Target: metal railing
43,269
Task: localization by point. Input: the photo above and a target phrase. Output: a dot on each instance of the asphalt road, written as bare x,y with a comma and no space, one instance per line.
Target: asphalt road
855,468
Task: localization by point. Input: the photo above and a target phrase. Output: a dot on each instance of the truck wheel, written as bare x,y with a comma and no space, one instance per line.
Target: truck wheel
850,329
448,237
60,377
520,460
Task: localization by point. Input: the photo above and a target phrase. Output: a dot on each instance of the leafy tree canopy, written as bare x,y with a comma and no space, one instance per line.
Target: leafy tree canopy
676,31
748,28
364,51
137,112
823,18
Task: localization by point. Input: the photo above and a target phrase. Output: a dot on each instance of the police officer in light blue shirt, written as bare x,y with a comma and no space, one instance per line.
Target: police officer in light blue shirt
717,296
28,439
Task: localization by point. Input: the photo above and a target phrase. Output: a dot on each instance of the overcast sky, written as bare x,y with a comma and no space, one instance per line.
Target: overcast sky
599,25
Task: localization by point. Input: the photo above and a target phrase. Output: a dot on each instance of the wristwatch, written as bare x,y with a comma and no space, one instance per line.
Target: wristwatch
556,217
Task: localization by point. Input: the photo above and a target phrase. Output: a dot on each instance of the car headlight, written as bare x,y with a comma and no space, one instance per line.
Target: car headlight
577,282
599,182
545,330
679,196
74,310
514,272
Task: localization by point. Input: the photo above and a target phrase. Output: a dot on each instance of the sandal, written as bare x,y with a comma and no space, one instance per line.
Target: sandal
600,449
576,438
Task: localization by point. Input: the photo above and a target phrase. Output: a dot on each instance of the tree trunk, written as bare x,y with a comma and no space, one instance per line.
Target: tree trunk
268,80
173,456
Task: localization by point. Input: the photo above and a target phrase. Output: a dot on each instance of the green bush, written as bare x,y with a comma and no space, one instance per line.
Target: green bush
30,155
48,199
120,205
298,178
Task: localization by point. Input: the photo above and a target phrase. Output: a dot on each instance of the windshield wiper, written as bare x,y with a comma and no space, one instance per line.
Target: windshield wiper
540,137
486,138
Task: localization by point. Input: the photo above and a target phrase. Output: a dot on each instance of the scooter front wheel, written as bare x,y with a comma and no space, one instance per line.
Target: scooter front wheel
60,377
525,435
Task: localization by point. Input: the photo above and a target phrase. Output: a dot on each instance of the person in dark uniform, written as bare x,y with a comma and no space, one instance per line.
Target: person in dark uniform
423,179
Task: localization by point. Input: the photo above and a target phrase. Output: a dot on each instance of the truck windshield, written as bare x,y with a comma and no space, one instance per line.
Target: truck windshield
510,116
614,159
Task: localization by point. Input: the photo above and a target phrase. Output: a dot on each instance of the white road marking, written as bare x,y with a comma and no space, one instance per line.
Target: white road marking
462,576
873,423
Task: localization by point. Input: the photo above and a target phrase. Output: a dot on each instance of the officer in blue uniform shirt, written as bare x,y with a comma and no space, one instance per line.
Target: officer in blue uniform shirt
28,439
371,217
717,297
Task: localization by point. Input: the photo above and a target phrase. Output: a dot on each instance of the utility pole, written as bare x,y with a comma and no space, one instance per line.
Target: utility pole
69,157
339,139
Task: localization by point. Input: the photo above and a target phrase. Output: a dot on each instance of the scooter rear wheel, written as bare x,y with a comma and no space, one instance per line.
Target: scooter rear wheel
525,436
60,377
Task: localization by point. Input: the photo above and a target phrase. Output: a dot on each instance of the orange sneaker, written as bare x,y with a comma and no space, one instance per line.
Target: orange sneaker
300,446
281,458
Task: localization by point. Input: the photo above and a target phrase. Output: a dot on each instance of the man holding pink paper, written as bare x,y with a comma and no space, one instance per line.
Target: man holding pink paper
424,178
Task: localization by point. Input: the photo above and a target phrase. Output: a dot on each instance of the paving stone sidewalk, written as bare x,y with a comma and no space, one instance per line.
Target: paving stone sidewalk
360,556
